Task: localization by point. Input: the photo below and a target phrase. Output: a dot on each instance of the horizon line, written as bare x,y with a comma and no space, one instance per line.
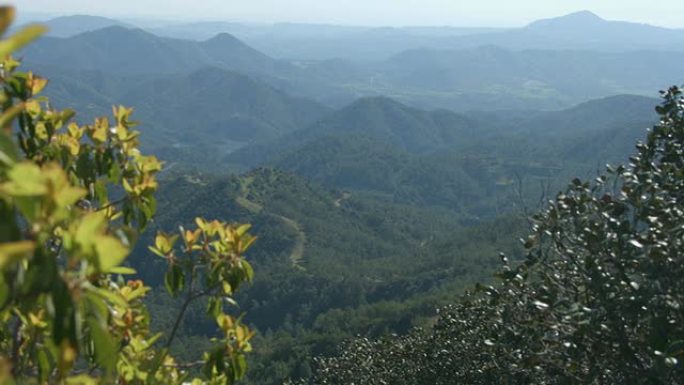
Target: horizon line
47,16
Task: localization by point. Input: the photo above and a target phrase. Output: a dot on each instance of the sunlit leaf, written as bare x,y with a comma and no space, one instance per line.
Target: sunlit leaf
20,39
7,15
13,252
105,345
110,253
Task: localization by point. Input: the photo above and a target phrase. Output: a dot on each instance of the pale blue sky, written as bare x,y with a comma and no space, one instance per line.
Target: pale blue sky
666,13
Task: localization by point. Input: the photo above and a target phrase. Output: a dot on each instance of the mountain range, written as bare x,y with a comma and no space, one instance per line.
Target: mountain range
67,26
383,169
124,51
581,30
189,117
460,79
466,163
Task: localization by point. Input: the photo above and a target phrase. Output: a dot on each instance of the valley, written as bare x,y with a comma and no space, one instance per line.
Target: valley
383,170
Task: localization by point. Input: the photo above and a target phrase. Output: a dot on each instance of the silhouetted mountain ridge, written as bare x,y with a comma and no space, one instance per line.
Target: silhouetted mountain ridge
67,26
125,51
572,20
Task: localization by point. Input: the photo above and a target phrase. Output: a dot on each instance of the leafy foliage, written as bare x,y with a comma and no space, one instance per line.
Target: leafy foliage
367,268
597,299
73,200
375,258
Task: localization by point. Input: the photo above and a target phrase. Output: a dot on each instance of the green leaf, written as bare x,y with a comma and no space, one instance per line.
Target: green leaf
81,379
64,325
41,273
100,192
214,307
110,296
7,15
110,253
243,229
249,271
240,366
13,252
20,39
44,367
89,228
96,304
105,345
227,289
174,280
123,270
9,114
26,179
4,291
164,243
67,196
8,152
37,85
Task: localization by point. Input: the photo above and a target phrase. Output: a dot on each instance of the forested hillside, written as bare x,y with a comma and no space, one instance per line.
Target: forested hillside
331,264
387,174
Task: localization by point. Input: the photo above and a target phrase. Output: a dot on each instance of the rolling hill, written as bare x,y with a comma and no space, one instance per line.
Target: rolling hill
67,26
221,104
365,266
543,78
467,164
122,51
406,128
586,30
187,118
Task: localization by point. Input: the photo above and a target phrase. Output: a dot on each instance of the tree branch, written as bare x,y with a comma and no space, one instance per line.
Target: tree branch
112,204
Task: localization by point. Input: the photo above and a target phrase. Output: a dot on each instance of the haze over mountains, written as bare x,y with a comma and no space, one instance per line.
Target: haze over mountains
581,30
383,168
243,97
549,64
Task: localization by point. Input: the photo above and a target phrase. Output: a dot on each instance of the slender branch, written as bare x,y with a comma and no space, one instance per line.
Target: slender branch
188,299
112,204
521,199
188,365
16,343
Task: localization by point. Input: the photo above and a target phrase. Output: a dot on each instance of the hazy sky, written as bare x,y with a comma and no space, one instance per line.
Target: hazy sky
370,12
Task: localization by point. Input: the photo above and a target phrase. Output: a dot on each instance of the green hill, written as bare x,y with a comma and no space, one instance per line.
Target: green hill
329,264
383,119
469,165
192,119
123,51
67,26
217,105
488,75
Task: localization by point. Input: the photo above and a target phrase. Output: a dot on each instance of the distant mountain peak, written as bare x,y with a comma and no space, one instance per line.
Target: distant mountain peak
376,100
117,31
67,26
223,37
225,40
83,17
583,15
376,103
575,19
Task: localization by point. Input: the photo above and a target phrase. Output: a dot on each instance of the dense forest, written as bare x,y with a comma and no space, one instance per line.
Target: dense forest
426,205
